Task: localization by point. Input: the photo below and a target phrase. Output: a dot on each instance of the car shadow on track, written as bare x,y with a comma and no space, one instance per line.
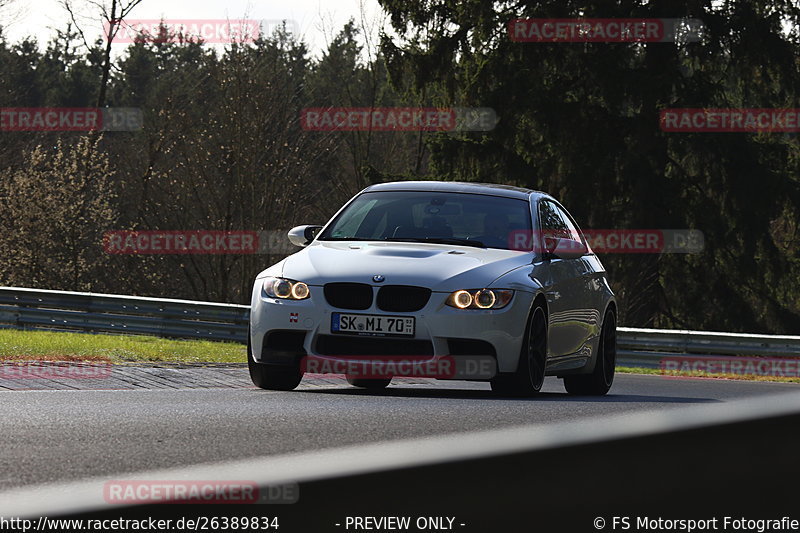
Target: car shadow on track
407,392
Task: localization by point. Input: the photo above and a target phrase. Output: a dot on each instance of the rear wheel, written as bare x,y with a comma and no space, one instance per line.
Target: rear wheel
372,384
600,380
272,377
529,377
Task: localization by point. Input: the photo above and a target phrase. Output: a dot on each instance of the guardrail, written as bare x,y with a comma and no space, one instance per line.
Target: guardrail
89,312
645,347
24,308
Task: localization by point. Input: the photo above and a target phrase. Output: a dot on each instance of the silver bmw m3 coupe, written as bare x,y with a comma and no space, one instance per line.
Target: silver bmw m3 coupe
497,282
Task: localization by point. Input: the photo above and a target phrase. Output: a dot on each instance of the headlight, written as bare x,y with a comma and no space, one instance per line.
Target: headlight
460,299
286,289
480,298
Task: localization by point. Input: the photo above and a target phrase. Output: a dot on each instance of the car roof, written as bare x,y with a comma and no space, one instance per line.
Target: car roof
491,189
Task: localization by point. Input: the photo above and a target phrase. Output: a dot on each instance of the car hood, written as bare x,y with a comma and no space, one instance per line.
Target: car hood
440,267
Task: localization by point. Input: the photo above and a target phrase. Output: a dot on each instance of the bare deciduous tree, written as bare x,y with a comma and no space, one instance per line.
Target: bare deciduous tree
113,13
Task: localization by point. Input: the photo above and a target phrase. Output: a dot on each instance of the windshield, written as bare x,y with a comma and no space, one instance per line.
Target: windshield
445,217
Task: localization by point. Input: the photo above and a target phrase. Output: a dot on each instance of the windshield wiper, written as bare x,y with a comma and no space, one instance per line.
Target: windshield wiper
439,240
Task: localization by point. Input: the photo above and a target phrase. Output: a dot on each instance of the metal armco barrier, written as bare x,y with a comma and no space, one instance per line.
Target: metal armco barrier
82,311
23,308
645,347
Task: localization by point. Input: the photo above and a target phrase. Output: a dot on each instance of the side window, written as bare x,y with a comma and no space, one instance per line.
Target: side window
553,224
572,229
556,224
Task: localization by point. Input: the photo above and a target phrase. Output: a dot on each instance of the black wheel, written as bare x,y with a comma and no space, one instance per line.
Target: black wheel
272,377
600,380
529,377
373,384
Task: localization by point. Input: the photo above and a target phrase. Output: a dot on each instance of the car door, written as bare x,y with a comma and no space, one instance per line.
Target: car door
587,316
565,289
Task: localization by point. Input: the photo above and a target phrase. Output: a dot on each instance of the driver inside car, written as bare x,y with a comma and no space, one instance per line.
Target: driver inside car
495,230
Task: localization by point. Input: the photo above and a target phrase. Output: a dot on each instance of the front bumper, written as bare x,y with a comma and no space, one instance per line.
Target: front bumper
283,331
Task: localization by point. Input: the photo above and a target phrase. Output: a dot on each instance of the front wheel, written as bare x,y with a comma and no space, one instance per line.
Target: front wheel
599,381
529,377
272,377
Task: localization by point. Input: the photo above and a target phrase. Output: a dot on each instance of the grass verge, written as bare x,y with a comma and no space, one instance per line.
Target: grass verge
16,345
706,375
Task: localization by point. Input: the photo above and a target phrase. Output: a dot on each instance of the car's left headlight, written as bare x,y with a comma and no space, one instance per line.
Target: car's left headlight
480,298
286,289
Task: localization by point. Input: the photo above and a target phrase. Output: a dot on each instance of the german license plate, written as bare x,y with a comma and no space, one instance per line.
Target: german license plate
400,326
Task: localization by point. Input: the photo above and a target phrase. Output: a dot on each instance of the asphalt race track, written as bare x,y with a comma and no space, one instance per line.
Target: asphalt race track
187,416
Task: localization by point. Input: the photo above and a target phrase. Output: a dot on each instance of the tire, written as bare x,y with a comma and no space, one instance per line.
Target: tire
372,384
599,382
529,377
272,377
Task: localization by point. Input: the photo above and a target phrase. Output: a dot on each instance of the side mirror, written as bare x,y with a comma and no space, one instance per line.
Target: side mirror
564,248
549,245
303,235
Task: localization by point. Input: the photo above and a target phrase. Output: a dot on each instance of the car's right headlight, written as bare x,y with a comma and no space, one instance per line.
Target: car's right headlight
480,298
286,289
